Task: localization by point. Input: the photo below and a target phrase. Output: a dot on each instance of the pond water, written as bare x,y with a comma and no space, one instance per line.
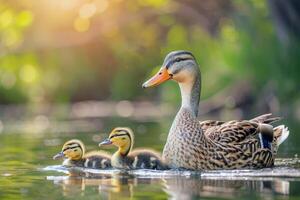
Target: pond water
27,170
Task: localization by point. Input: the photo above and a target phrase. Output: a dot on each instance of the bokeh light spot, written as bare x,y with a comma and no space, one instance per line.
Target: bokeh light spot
68,4
101,5
124,108
81,24
87,10
153,3
6,18
25,18
28,73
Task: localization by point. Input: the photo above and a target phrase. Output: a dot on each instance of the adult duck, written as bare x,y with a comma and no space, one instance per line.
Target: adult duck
212,144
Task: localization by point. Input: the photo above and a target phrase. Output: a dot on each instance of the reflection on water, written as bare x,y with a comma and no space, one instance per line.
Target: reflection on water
115,184
189,188
110,184
108,188
73,186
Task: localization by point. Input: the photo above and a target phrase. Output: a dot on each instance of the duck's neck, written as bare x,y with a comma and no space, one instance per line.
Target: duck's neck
124,150
190,93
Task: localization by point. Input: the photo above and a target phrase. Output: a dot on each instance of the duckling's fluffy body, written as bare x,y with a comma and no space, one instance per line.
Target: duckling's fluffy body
124,158
74,152
138,159
95,160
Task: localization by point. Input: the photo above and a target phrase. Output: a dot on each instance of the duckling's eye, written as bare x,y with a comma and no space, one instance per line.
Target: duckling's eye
123,138
75,149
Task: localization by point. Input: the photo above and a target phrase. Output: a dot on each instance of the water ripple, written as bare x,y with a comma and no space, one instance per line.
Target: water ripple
284,168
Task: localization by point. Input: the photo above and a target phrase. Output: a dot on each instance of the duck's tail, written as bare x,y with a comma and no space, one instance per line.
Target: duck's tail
281,133
276,135
266,119
271,138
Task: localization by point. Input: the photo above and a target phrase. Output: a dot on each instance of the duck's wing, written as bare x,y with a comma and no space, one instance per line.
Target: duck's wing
212,128
233,131
255,138
207,124
266,119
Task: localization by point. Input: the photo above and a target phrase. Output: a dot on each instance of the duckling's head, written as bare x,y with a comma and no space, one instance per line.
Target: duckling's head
121,137
180,66
72,149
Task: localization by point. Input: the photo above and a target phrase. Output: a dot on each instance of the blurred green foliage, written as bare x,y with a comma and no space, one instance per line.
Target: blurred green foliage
77,50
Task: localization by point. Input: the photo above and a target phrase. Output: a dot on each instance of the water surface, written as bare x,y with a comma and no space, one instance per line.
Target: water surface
27,170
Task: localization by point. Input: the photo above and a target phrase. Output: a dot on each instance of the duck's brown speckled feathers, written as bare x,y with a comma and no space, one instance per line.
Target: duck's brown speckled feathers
208,126
212,144
233,145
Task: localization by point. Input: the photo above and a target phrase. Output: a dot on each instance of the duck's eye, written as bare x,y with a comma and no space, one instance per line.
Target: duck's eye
177,59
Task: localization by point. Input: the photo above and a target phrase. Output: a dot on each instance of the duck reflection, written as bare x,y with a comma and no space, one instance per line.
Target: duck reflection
191,188
123,184
113,186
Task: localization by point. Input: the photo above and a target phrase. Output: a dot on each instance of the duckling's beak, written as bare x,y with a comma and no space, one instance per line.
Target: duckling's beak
59,156
105,142
161,76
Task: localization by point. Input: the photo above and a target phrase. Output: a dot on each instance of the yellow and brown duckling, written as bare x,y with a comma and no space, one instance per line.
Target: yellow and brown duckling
212,144
74,152
125,158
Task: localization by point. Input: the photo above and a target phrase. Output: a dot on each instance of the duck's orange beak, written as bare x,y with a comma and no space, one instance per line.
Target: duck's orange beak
160,77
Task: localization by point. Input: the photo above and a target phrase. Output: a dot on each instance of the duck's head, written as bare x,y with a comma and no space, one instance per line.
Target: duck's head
180,66
121,137
72,149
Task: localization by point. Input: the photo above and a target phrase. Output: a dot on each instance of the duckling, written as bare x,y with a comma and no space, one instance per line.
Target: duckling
74,151
124,158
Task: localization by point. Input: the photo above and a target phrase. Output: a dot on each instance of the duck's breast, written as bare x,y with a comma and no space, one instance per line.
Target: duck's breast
186,144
